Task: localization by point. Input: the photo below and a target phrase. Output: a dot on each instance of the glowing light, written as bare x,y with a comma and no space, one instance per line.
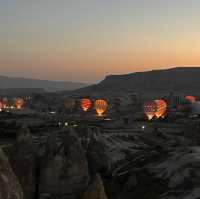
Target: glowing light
161,107
100,106
52,112
1,105
19,103
150,109
86,104
191,99
5,102
155,108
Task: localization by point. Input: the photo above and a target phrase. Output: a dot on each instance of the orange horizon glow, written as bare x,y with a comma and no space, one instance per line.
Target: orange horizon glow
86,40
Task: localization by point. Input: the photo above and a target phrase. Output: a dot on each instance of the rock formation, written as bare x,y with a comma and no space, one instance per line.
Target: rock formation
22,158
9,184
65,174
96,189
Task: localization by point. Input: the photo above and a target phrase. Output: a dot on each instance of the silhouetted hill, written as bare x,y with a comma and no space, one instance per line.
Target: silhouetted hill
49,86
181,79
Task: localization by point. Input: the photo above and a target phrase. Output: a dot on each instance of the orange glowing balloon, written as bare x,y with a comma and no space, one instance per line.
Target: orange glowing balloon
100,106
191,99
150,109
155,108
1,105
161,107
86,104
19,103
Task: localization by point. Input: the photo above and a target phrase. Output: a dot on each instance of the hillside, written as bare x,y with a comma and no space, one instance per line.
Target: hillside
181,79
49,86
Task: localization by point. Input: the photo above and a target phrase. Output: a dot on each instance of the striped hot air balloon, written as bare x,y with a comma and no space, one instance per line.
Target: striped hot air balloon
155,108
19,102
100,106
190,98
86,104
150,109
161,107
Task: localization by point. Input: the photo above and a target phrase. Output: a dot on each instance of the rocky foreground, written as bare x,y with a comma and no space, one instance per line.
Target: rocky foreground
90,163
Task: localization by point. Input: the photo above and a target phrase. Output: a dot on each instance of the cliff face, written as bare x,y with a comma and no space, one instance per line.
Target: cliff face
9,184
175,79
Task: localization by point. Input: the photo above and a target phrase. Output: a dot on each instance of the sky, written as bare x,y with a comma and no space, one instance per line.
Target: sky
85,40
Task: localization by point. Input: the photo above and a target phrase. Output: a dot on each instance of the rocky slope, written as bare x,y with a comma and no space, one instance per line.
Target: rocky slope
183,79
9,184
101,163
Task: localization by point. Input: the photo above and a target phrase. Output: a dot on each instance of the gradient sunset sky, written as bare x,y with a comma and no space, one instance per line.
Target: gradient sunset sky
84,40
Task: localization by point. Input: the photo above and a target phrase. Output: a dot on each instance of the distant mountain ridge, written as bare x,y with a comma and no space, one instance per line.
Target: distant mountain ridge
48,86
180,79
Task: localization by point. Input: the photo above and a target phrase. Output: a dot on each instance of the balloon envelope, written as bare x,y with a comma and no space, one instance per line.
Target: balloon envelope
86,104
19,103
191,99
150,109
100,106
155,108
161,107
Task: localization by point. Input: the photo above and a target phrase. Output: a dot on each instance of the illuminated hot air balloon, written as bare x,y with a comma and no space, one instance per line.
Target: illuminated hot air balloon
69,103
100,106
150,109
5,102
86,104
161,107
191,99
155,108
19,103
1,105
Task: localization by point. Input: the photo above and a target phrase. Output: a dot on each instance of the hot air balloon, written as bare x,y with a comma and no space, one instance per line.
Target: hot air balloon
1,105
155,108
100,106
19,103
191,99
161,107
150,109
69,103
86,104
5,102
